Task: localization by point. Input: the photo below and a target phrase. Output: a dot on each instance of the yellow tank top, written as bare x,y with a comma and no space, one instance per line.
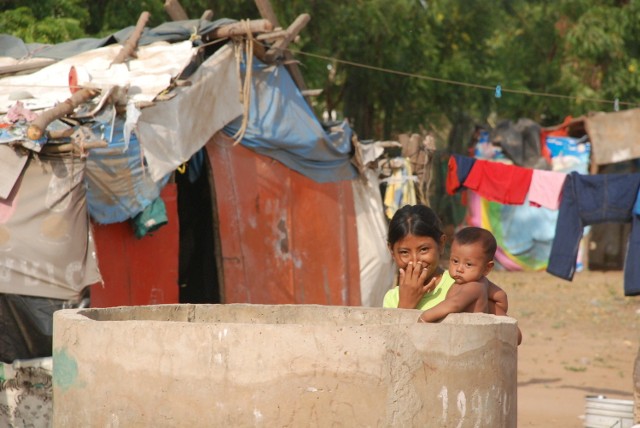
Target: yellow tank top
429,300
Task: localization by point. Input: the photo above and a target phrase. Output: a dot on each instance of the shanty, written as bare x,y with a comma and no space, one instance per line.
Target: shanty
190,237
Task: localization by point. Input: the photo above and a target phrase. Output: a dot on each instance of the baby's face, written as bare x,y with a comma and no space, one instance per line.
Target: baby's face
467,262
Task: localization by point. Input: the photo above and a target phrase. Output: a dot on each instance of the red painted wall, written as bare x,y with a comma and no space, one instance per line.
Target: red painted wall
138,271
284,238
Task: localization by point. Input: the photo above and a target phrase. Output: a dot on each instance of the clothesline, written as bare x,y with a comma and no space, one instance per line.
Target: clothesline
581,200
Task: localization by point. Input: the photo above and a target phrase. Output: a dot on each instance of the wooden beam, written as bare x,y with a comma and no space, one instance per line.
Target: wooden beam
238,29
207,15
279,48
175,11
131,44
266,11
40,123
24,66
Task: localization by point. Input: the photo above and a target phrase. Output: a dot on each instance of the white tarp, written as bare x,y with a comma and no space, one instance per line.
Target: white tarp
46,248
170,132
377,269
145,76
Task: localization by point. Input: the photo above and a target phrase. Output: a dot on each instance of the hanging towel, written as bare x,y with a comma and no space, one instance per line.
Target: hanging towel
499,182
546,188
150,219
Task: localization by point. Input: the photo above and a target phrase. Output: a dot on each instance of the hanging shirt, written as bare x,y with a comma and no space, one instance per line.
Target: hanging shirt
499,182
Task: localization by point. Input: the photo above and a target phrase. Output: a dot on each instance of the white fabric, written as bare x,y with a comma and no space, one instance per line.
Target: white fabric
145,76
46,245
172,131
376,266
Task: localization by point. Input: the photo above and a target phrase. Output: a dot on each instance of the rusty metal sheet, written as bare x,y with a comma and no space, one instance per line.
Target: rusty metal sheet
130,266
284,238
614,136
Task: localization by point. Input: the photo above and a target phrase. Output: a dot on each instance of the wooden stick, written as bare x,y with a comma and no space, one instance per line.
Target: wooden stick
59,134
40,123
175,11
73,147
238,29
24,66
129,47
279,34
279,47
266,11
207,15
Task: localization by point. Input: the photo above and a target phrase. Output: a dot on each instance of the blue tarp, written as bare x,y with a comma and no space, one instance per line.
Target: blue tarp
118,187
282,126
175,31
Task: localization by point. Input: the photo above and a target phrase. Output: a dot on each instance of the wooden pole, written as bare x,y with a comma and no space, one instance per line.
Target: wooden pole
131,44
278,49
240,28
40,123
266,11
207,15
175,11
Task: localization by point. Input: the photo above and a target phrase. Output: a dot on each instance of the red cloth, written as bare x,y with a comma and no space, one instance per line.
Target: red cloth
452,184
562,131
499,182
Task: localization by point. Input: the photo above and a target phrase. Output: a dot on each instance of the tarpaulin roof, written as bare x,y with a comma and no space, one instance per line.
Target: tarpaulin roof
281,125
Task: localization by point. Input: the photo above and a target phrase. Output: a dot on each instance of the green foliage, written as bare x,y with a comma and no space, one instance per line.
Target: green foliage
402,65
22,23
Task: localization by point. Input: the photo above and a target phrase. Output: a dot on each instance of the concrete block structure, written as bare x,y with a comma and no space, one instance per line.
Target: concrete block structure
245,365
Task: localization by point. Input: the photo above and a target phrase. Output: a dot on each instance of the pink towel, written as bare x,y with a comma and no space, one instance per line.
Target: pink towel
546,188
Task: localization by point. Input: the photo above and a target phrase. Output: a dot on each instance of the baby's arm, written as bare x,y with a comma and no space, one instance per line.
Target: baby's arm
498,303
456,303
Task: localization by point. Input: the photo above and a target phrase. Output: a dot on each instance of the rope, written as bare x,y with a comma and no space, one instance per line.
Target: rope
244,48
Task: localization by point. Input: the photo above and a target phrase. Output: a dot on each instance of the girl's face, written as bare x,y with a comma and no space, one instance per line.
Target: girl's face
423,249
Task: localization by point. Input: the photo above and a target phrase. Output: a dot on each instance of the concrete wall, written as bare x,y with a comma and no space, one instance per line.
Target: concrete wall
281,366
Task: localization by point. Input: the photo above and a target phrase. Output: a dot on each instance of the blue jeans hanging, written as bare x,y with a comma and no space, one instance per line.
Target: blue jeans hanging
592,199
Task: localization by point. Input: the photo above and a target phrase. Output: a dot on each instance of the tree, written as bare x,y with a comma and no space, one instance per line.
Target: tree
404,65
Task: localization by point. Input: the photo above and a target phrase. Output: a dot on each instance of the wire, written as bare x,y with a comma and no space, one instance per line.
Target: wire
458,83
615,102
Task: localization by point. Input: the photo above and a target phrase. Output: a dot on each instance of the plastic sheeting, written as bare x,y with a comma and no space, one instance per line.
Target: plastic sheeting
146,76
281,125
172,131
118,186
46,247
377,269
174,31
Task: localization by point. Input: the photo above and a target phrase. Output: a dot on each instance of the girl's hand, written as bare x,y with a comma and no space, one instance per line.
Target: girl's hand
412,286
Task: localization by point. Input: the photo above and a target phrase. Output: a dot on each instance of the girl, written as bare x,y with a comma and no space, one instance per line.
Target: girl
416,242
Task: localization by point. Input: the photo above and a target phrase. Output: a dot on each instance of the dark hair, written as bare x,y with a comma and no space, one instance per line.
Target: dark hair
471,235
417,220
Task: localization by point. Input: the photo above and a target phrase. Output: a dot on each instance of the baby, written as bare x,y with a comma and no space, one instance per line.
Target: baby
472,253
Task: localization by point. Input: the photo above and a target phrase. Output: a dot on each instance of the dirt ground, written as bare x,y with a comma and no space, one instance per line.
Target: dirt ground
580,338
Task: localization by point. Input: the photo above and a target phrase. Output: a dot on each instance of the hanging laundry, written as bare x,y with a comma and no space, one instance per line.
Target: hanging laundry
400,189
507,184
592,199
546,188
458,170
